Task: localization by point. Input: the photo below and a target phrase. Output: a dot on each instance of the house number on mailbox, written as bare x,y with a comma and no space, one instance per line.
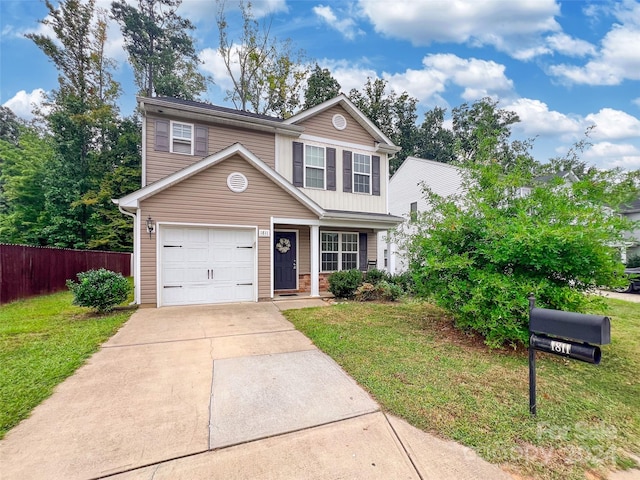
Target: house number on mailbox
561,347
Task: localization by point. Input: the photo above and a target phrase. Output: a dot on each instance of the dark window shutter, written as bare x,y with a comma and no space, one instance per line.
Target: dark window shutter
298,167
375,175
162,135
346,171
362,249
331,169
202,140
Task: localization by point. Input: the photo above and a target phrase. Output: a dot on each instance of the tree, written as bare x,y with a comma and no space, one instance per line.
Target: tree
160,48
481,253
267,75
433,141
24,164
82,112
483,126
321,86
395,115
9,125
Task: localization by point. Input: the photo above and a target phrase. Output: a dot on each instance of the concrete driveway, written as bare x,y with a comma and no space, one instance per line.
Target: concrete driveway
221,392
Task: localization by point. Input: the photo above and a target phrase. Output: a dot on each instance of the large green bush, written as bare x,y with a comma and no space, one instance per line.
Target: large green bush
343,284
481,253
100,289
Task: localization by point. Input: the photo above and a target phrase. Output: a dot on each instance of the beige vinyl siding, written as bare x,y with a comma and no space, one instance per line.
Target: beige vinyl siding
321,125
161,164
205,199
336,200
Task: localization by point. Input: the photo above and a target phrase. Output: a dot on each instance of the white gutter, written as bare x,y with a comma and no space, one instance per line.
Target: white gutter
134,268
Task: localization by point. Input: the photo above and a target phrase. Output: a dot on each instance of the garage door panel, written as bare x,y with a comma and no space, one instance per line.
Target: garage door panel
208,265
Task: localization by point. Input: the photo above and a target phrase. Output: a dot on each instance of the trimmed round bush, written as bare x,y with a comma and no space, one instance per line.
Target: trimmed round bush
343,284
100,289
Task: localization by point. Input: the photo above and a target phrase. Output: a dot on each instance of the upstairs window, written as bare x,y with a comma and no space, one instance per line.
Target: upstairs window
182,138
314,167
361,173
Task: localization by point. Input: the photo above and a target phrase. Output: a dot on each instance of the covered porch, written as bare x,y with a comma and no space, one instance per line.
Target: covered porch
306,252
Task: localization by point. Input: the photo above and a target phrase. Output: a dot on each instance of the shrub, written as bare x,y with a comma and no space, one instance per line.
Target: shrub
480,253
404,281
382,290
374,276
100,289
343,284
389,291
366,291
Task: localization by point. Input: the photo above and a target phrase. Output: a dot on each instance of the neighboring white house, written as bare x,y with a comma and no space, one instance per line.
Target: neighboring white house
406,196
632,212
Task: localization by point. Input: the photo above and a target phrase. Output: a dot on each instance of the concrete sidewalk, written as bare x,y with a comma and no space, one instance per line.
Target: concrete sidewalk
221,392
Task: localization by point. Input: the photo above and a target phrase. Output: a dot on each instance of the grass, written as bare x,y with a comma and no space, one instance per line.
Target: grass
418,367
43,340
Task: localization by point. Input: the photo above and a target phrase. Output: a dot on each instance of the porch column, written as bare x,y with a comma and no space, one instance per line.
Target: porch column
315,260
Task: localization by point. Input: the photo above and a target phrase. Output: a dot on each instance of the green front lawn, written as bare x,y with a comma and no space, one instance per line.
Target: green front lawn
43,340
417,366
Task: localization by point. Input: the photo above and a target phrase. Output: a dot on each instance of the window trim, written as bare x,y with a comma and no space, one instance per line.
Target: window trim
354,173
171,137
413,212
340,251
323,168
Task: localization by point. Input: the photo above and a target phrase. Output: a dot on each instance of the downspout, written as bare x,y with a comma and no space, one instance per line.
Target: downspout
135,263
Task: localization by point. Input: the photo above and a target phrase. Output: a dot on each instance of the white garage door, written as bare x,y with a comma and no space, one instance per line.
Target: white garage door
207,265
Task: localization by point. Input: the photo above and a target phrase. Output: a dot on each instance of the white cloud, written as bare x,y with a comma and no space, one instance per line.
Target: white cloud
566,45
613,125
618,58
213,64
512,27
348,73
537,119
477,78
23,103
611,155
346,25
203,12
636,101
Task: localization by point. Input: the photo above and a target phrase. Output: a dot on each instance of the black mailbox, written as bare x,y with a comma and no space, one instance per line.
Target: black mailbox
568,334
575,326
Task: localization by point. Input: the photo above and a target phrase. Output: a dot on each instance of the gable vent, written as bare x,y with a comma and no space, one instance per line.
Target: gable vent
339,122
237,182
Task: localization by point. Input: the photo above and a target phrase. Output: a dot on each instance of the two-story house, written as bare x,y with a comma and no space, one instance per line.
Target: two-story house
238,207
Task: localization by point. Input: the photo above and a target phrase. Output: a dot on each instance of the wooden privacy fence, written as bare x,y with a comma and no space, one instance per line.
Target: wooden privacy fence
26,271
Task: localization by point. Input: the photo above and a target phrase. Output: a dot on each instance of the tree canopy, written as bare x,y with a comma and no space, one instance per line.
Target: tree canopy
267,74
160,48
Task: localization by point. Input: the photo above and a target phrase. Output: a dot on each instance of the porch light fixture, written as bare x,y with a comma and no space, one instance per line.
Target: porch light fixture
151,225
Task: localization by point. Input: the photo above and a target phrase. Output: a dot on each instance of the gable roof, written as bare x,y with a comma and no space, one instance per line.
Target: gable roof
358,116
563,174
132,201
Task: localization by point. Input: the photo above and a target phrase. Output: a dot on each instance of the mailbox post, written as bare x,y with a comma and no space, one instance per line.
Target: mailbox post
567,334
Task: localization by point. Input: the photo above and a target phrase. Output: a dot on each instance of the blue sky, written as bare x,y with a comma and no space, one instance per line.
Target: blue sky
562,66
